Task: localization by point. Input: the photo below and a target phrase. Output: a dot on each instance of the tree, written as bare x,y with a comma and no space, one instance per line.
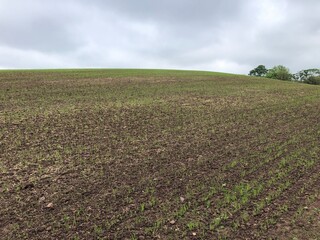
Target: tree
279,72
259,71
313,80
304,75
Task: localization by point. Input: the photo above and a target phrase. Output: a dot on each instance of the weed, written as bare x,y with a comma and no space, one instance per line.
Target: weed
192,225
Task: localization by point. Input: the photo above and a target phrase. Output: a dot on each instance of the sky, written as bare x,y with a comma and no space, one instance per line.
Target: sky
231,36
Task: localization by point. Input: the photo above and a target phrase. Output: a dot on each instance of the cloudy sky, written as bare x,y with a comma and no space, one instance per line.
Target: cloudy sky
216,35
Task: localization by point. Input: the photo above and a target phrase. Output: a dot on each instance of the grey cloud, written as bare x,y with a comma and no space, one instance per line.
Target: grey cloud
173,12
232,36
38,26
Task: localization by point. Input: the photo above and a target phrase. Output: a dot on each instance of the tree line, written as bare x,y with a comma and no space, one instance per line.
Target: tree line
310,76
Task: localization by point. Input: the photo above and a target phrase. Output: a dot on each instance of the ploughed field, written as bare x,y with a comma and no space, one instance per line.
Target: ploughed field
157,154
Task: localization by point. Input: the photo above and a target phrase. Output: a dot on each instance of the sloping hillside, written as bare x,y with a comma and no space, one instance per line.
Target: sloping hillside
157,154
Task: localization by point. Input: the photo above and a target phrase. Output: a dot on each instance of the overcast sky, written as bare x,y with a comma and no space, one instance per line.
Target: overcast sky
216,35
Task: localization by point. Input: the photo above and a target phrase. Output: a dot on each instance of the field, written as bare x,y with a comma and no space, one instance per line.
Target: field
157,154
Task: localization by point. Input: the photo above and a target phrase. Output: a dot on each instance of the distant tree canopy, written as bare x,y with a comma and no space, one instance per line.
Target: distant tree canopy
310,76
279,72
304,75
313,80
259,71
